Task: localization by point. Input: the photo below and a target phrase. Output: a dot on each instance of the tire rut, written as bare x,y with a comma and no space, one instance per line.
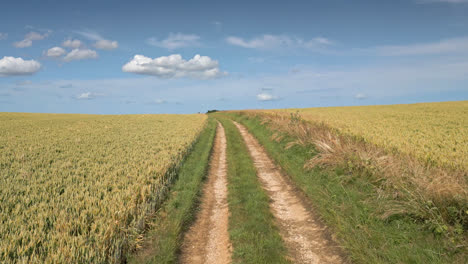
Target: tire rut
305,237
207,240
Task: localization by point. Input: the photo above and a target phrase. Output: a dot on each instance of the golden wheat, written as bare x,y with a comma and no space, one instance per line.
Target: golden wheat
436,133
436,194
78,188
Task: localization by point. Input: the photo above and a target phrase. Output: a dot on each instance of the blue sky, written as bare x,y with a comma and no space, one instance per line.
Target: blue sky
119,57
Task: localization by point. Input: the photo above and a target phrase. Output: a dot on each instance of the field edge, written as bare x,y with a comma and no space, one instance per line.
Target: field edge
163,239
345,204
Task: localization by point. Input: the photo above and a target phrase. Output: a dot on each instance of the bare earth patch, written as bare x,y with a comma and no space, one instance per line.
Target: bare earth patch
306,238
207,240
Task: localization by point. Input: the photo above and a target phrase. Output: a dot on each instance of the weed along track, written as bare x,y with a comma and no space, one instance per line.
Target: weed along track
207,241
304,236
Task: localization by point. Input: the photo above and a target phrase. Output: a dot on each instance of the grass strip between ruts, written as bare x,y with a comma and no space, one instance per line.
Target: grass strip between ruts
253,234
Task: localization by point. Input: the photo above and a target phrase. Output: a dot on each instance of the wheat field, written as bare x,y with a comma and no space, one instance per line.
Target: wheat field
436,133
78,188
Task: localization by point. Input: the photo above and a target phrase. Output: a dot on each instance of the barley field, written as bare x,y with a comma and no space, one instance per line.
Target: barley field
436,133
77,188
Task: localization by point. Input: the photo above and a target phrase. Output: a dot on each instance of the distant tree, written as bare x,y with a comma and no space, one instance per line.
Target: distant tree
212,111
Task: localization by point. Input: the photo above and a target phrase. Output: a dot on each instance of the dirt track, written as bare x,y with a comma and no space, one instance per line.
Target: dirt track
207,241
305,237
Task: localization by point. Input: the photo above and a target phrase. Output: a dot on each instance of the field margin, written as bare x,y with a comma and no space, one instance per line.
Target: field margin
164,237
348,205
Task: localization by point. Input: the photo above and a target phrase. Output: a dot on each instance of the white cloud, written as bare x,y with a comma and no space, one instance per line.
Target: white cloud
10,66
72,43
174,66
266,97
101,43
360,96
105,44
382,83
55,52
23,43
453,45
269,42
3,36
321,40
175,41
88,96
160,101
92,35
85,96
36,36
81,54
266,41
28,39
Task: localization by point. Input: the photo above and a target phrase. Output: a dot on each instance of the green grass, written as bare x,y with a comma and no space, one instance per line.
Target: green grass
179,210
254,237
349,205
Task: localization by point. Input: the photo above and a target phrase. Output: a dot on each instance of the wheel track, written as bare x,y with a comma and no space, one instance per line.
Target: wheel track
305,237
207,240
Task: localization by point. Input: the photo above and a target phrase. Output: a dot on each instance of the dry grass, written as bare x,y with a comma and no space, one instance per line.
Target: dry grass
435,133
436,195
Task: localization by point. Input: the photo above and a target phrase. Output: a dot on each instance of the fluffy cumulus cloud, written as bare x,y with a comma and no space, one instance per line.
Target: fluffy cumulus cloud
266,97
175,41
55,52
29,38
23,43
72,43
10,66
174,66
81,54
36,36
105,44
278,41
